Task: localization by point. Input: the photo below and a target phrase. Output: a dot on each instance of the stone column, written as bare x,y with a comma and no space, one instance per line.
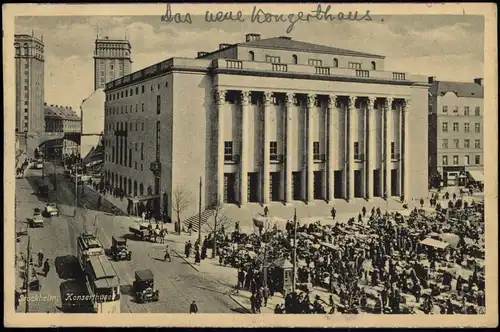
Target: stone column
388,140
245,101
332,153
371,145
351,110
399,149
267,101
220,99
406,150
311,103
289,102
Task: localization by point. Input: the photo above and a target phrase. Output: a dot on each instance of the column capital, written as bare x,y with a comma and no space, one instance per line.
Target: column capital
311,100
220,96
245,97
388,103
352,102
371,103
332,101
290,98
268,98
406,104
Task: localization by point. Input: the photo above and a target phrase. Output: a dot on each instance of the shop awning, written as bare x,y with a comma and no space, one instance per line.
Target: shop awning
478,176
434,243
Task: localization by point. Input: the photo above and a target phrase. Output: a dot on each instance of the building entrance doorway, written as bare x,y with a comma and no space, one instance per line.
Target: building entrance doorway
296,186
253,187
376,183
394,182
229,188
338,183
318,192
274,186
358,184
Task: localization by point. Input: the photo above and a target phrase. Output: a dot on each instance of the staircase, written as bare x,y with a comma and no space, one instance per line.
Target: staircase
205,216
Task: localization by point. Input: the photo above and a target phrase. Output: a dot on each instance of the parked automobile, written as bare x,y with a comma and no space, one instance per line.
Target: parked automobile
144,287
119,250
51,209
37,219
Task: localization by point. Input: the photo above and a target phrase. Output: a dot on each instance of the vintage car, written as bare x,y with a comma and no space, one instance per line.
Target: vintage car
141,232
119,250
51,209
37,219
143,287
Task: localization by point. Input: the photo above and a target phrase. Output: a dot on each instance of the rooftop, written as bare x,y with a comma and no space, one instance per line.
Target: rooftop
61,112
461,89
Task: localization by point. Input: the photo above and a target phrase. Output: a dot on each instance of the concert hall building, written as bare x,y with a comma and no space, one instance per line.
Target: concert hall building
267,120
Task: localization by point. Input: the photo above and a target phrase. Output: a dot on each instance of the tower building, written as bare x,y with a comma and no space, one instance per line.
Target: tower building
112,59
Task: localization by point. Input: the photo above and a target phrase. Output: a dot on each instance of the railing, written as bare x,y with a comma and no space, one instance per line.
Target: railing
232,158
359,157
276,158
228,157
323,70
395,156
399,76
362,73
234,64
120,133
279,67
319,157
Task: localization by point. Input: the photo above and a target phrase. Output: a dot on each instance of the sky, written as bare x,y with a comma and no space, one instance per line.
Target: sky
447,47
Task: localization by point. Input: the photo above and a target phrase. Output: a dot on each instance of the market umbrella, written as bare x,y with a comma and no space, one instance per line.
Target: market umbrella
452,239
431,234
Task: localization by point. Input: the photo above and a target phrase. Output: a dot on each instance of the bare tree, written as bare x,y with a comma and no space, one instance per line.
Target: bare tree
181,200
218,221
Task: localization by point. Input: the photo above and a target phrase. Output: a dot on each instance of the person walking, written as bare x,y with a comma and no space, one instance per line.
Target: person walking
40,258
167,254
265,294
266,211
46,267
193,308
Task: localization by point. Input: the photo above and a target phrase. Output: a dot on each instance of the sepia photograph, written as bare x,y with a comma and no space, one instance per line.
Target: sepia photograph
336,162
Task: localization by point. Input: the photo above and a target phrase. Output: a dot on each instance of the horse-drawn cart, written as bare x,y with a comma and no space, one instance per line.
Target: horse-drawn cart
141,232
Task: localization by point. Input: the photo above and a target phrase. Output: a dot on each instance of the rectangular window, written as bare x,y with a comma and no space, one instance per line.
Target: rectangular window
158,104
142,88
455,160
477,144
273,150
135,165
455,110
456,143
445,127
228,150
126,93
355,65
130,158
444,144
445,160
315,62
445,109
136,128
466,127
466,143
356,150
142,126
142,151
477,160
393,150
466,110
142,107
477,127
273,59
157,140
477,111
136,108
455,127
466,160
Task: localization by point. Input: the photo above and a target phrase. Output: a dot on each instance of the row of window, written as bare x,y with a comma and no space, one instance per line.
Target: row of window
273,151
477,110
311,62
123,126
456,143
119,156
132,189
456,127
477,160
124,109
130,92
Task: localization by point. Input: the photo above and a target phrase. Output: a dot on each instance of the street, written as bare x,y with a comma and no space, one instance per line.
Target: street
178,283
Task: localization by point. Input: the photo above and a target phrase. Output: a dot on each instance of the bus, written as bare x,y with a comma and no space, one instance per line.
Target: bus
88,245
103,285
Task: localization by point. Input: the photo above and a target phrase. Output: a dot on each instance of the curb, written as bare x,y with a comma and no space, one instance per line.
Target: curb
231,296
185,260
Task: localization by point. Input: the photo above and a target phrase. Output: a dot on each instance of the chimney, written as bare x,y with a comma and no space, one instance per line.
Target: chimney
285,37
431,79
223,46
479,81
200,54
252,36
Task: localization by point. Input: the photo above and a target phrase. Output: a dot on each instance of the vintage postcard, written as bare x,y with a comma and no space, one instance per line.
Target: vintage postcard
232,164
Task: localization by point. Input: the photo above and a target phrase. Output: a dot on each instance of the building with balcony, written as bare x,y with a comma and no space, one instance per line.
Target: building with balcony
61,119
267,120
30,71
456,131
